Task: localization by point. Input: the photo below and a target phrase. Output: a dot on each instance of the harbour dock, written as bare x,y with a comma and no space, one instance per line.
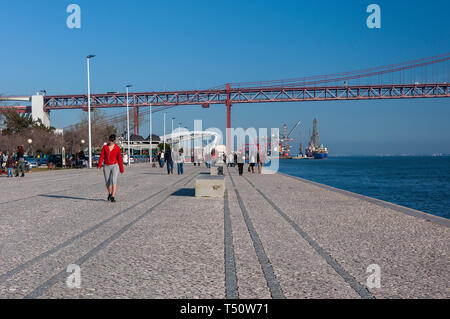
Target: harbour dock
271,236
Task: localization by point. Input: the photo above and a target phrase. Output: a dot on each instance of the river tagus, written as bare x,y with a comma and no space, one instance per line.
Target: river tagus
421,183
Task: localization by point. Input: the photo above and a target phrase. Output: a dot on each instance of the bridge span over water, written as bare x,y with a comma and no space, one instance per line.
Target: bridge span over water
423,78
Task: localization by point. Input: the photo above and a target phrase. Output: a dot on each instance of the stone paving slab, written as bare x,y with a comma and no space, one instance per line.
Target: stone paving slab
413,253
301,272
251,281
271,236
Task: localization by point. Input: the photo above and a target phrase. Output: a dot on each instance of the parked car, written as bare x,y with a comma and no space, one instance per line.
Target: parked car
55,159
42,161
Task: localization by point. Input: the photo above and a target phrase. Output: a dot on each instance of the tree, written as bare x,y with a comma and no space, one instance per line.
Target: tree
17,129
100,129
161,146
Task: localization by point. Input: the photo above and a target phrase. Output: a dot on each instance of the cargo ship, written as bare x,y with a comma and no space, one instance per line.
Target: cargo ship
320,153
315,149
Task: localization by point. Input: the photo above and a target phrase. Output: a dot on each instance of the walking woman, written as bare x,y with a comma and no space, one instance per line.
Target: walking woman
112,156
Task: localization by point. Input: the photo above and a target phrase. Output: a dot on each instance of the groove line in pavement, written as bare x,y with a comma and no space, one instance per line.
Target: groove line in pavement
231,284
34,260
60,276
272,282
349,279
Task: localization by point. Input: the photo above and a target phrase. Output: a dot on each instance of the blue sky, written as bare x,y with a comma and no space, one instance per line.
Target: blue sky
177,45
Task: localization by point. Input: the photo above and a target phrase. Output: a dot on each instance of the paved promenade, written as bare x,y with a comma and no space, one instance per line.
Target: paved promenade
272,236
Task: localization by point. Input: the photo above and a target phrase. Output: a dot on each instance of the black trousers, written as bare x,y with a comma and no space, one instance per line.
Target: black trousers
241,168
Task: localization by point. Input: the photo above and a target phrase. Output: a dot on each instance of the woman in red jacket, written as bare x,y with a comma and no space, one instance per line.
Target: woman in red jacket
112,156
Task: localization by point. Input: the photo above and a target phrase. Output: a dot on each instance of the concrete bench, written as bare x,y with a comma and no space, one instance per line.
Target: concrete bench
210,186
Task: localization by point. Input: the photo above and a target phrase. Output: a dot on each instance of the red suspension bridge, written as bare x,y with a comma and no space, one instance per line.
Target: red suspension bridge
423,78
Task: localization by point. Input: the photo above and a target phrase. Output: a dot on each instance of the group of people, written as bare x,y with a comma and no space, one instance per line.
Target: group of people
239,158
169,157
10,161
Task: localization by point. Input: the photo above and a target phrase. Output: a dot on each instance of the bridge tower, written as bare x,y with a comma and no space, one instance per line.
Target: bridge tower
37,110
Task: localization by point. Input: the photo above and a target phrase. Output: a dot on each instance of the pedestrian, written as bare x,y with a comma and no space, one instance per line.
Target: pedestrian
235,157
20,162
180,160
168,159
199,158
112,157
9,166
208,159
125,158
158,159
213,156
261,160
252,161
230,160
161,163
240,158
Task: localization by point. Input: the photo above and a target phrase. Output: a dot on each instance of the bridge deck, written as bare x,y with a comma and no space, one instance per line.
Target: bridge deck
271,236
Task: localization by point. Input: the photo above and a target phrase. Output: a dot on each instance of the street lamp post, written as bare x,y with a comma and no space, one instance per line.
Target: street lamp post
179,134
165,132
151,136
171,135
29,146
88,58
128,127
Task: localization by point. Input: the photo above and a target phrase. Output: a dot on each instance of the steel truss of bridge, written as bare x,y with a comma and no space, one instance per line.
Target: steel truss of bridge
230,96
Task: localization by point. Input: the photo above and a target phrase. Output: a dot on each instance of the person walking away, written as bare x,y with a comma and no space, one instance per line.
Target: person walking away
252,161
230,159
112,157
199,158
10,165
180,162
169,161
20,162
240,158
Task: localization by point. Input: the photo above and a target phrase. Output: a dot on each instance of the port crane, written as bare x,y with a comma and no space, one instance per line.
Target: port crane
284,141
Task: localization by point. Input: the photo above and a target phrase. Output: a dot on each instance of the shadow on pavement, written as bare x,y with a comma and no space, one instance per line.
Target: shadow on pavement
185,192
71,197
